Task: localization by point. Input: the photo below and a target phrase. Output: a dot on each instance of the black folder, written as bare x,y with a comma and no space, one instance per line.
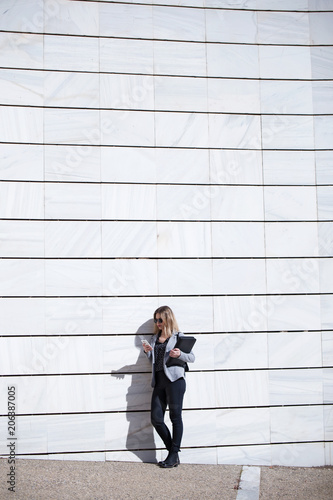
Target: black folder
185,344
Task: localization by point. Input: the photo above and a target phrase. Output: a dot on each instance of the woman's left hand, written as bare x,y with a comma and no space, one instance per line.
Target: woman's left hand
175,353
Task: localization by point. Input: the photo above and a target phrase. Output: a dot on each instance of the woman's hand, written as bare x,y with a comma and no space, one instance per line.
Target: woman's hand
175,353
147,348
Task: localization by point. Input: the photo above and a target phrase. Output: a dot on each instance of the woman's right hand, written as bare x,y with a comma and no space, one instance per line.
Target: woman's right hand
147,348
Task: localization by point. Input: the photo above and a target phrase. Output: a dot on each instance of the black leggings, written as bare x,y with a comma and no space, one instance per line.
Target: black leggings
167,393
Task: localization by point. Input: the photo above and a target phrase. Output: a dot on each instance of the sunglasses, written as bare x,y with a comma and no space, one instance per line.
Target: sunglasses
159,320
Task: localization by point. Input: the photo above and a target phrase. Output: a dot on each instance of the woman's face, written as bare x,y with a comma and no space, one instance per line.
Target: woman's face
160,324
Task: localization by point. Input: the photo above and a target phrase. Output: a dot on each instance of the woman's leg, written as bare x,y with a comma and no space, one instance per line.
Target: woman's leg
175,394
158,407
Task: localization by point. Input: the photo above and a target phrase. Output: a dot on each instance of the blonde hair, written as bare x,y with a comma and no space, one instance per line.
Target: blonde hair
168,318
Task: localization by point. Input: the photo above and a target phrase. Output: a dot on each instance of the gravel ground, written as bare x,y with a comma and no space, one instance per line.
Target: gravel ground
77,480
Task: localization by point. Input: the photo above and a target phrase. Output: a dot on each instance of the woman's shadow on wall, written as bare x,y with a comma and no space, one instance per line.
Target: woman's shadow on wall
140,437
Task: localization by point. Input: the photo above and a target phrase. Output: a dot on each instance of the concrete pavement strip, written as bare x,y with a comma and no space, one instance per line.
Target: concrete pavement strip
37,479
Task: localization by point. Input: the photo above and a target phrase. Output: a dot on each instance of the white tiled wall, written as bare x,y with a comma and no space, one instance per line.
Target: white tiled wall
172,153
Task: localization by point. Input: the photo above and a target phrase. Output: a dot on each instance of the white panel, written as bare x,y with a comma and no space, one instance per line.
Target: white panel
242,388
21,87
325,202
285,62
287,132
129,277
324,170
241,350
21,125
21,16
126,201
72,239
22,200
19,50
175,58
294,387
181,130
80,18
73,277
194,314
73,163
22,277
274,27
126,56
184,277
189,166
72,201
322,97
126,128
291,239
232,61
286,97
236,314
129,239
231,26
238,239
245,455
32,435
323,131
239,276
180,94
234,131
253,426
68,126
21,162
299,455
75,433
321,27
232,166
130,21
22,316
293,275
328,414
127,91
121,164
183,202
124,359
290,203
289,167
22,238
326,275
71,89
179,24
71,53
73,315
327,348
326,309
183,239
75,393
287,312
204,351
303,423
233,96
128,315
30,394
321,62
237,203
294,350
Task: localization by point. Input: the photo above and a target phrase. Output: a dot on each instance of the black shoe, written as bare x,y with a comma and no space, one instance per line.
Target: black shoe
172,460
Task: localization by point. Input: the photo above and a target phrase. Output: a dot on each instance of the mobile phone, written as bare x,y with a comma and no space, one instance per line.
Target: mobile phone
145,342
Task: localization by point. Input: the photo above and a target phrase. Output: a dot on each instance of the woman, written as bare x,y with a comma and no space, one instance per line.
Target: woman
168,382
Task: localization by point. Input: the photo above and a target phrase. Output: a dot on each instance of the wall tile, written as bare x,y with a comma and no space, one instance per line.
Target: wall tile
288,312
30,392
291,239
286,97
243,313
181,130
68,126
291,350
184,277
232,61
323,128
242,388
128,239
326,308
126,201
183,203
328,385
75,432
59,89
320,27
232,166
241,239
72,315
21,87
138,312
299,455
72,163
129,277
126,91
177,239
72,201
117,164
73,239
289,167
327,348
322,97
285,62
22,277
325,202
233,95
321,62
21,16
21,125
231,26
234,131
294,387
194,314
293,275
71,53
176,58
239,276
126,56
72,277
241,350
180,94
290,424
237,203
22,238
290,203
21,162
178,24
126,128
20,50
252,426
71,18
274,27
287,132
130,21
22,316
324,161
244,455
326,275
